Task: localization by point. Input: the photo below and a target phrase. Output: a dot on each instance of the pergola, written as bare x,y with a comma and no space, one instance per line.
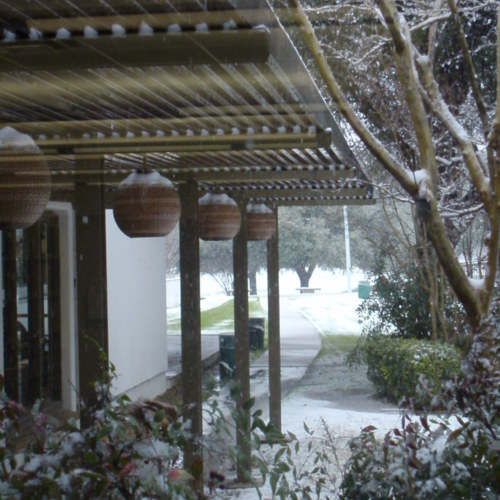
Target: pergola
211,94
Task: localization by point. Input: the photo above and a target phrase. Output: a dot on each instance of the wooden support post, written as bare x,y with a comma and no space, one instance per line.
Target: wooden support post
32,374
90,225
54,301
241,347
10,344
273,301
191,327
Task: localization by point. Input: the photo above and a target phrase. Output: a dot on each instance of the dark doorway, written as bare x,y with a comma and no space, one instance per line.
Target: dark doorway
32,319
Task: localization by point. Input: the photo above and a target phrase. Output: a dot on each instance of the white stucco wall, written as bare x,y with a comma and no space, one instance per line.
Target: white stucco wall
136,311
173,292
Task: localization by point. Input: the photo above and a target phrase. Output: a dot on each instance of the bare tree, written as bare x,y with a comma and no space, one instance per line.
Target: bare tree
440,162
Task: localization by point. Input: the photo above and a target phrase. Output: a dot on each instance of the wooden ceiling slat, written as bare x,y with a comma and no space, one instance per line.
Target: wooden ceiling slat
145,144
256,125
330,202
238,90
258,109
185,19
251,191
158,49
116,172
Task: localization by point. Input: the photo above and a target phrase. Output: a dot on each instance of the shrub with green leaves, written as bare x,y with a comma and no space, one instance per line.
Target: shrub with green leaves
399,305
398,367
455,456
128,450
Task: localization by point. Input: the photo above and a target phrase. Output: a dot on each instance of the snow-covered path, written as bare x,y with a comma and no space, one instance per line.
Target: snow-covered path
331,311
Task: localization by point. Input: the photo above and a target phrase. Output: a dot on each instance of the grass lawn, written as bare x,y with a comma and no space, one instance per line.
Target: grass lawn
343,343
220,318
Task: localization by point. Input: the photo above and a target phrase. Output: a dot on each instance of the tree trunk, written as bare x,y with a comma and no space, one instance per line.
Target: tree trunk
305,275
252,277
476,300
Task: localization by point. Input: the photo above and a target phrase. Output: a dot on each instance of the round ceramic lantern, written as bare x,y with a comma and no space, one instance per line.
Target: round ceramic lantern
24,180
261,222
219,217
146,205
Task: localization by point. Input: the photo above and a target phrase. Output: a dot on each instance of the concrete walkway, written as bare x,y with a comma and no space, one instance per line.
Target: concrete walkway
209,355
300,343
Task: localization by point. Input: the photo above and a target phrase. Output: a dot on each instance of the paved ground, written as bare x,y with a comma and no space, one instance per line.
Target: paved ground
209,350
300,343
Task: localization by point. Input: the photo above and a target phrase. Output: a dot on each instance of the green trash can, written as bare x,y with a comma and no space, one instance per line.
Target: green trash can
363,289
256,329
226,356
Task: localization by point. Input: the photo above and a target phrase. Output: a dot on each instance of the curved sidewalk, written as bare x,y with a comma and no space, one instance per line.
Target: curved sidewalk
300,343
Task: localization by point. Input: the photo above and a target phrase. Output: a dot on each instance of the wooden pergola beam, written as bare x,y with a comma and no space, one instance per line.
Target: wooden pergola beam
187,143
136,50
299,192
192,401
274,333
325,203
122,126
185,19
241,348
91,288
60,181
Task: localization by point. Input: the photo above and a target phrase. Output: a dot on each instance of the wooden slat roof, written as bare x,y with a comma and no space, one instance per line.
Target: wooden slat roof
211,90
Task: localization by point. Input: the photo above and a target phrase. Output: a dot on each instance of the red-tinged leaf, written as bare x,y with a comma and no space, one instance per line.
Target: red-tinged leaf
178,474
397,432
425,424
454,434
369,428
127,469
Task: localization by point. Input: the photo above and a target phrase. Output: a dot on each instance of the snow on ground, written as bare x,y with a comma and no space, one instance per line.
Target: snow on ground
332,310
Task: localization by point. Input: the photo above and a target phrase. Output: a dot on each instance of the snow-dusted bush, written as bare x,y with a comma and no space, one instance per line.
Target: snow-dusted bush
456,456
399,304
395,366
128,450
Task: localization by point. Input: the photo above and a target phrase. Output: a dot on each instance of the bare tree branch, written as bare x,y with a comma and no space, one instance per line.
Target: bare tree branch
371,142
423,98
408,77
462,138
469,68
494,212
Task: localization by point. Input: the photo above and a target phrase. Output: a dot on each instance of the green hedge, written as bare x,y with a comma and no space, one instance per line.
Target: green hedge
452,456
395,366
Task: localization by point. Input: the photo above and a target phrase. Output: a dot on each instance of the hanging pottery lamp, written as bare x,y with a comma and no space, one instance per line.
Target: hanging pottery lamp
146,205
219,217
24,180
261,222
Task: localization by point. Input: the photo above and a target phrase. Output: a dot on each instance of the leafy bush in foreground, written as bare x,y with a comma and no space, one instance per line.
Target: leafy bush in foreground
457,456
396,366
130,450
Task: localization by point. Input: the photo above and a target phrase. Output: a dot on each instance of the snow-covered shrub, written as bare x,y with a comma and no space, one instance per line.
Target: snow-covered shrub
128,450
399,305
398,368
456,456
